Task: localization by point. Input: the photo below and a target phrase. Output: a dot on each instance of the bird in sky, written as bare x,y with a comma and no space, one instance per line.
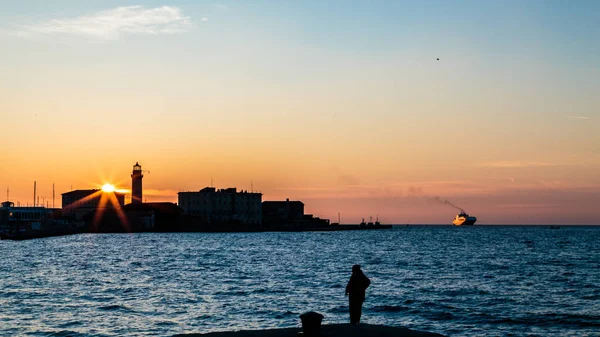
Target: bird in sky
438,58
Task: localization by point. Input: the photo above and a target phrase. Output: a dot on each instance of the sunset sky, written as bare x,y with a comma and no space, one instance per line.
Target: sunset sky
340,104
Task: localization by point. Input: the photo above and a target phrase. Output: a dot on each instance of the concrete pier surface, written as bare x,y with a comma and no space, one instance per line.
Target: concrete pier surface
330,330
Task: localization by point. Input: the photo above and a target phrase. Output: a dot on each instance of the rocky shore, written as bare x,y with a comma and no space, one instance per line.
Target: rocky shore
330,330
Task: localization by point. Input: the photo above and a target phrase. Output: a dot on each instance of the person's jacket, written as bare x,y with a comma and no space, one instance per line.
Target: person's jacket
357,286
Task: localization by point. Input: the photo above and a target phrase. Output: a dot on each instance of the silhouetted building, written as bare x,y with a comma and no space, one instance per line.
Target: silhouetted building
289,215
282,211
136,184
155,216
224,206
22,218
77,203
132,218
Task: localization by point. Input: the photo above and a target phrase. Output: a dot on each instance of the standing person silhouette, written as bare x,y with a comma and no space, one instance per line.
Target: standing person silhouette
356,288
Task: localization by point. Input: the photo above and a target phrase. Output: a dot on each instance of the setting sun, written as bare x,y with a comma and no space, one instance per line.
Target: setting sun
108,188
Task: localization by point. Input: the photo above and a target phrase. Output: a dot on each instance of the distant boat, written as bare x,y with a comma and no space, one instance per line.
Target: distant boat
554,227
370,223
463,218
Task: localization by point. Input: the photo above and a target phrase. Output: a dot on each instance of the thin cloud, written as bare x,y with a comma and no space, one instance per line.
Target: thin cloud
515,164
529,206
307,188
577,117
113,23
204,19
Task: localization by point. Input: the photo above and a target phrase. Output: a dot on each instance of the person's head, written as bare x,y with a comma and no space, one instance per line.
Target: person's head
356,269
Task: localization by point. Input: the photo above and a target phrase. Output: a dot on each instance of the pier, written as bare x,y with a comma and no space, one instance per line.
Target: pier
330,330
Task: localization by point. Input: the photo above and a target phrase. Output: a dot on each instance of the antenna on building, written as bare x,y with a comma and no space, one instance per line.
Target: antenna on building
251,186
8,194
52,195
211,182
34,192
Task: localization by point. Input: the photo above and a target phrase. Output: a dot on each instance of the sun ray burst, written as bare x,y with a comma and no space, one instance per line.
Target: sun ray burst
107,200
99,211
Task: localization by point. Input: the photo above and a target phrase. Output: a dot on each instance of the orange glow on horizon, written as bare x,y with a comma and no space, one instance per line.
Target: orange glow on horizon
108,188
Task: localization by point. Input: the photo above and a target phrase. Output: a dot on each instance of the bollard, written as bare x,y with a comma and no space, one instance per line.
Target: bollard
311,323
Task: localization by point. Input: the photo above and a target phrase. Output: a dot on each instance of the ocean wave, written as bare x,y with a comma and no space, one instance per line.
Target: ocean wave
575,320
438,315
64,333
115,307
166,323
591,297
390,308
286,314
464,292
231,293
338,309
70,324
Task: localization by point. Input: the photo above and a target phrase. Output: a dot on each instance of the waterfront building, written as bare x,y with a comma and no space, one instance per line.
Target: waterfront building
154,216
78,203
23,218
282,211
223,206
289,215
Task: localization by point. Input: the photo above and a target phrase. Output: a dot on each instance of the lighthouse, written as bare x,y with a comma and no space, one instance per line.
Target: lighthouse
136,184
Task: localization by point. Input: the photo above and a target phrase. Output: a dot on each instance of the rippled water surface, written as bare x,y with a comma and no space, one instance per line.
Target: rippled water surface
482,280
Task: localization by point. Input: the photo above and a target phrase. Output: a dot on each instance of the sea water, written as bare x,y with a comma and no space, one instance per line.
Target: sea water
459,281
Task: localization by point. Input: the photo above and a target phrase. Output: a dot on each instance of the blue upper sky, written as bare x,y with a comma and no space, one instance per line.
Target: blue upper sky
313,87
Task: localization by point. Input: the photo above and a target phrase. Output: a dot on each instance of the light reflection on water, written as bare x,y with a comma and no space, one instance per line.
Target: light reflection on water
459,281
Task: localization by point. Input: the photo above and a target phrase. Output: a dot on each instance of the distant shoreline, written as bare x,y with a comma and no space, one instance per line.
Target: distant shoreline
29,235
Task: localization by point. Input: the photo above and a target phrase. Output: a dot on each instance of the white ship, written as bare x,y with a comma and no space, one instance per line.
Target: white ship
463,219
